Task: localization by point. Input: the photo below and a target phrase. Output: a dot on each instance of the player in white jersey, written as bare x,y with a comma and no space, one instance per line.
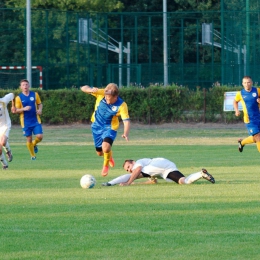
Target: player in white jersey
5,127
157,168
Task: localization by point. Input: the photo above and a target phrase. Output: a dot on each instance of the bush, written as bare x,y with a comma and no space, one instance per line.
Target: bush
153,105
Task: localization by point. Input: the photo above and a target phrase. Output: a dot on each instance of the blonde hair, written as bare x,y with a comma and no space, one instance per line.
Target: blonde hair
112,89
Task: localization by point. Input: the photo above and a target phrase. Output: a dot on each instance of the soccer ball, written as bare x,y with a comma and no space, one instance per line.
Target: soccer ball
87,181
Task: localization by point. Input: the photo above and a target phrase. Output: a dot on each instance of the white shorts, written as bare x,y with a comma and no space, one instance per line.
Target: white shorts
4,130
157,167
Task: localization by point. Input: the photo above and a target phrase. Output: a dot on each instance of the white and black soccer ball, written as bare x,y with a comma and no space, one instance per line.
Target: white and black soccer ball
87,181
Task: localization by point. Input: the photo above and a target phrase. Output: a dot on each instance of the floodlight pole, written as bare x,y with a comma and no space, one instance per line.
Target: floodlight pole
128,64
28,43
247,72
165,44
120,65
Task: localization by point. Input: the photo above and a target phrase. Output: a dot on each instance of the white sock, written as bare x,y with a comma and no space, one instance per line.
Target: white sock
122,178
193,177
3,160
7,147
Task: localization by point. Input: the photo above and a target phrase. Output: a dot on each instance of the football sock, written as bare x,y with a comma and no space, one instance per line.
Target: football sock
122,178
107,158
258,146
248,140
193,177
7,147
3,160
36,141
30,147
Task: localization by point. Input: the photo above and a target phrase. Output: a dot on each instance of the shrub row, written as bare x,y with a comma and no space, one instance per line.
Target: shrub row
153,105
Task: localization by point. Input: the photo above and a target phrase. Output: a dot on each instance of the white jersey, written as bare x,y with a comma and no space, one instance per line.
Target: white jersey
155,166
4,114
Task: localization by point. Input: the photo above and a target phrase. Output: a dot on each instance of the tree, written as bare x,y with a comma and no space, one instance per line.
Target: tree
71,5
172,6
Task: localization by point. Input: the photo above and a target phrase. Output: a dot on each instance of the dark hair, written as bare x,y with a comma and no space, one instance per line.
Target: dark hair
128,160
247,77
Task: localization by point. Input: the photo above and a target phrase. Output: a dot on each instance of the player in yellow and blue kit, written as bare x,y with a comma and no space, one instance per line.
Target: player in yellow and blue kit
249,98
108,107
28,105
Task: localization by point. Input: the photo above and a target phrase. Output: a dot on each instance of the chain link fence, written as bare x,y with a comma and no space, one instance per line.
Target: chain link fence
73,49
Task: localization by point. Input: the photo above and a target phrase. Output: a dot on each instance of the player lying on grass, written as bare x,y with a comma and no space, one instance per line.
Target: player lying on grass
156,168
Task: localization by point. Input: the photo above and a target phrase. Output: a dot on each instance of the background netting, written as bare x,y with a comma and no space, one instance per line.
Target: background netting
74,49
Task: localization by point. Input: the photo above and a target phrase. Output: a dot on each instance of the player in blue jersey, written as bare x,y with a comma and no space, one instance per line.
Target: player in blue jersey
250,100
28,104
108,107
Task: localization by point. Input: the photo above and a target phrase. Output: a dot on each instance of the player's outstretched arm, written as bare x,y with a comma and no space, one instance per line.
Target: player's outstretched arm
88,89
126,129
135,174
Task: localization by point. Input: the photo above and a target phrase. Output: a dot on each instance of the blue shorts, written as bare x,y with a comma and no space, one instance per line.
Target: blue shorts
100,133
253,128
29,130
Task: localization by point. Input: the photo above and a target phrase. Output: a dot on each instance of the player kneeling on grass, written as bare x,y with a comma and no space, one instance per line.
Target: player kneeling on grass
156,167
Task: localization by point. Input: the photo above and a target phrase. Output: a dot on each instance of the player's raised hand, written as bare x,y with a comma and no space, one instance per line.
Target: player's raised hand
94,90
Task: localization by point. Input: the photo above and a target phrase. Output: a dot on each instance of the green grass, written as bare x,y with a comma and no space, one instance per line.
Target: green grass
45,214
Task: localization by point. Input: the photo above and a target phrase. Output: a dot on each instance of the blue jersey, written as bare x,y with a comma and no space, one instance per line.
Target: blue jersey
106,115
249,104
28,118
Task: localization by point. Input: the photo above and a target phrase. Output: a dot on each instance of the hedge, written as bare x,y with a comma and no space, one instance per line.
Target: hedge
153,105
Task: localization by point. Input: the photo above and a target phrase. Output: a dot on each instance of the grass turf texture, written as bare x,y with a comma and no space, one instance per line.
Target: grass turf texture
45,214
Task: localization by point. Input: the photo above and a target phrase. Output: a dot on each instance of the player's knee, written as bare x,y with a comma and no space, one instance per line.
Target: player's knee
99,153
40,137
257,138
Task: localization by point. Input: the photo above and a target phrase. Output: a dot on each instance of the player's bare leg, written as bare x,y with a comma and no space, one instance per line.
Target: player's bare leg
257,140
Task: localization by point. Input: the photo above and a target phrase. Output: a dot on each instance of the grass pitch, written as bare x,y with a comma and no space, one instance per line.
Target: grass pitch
45,214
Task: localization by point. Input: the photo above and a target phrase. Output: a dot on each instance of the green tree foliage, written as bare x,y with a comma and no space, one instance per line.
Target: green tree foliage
11,37
172,6
72,5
